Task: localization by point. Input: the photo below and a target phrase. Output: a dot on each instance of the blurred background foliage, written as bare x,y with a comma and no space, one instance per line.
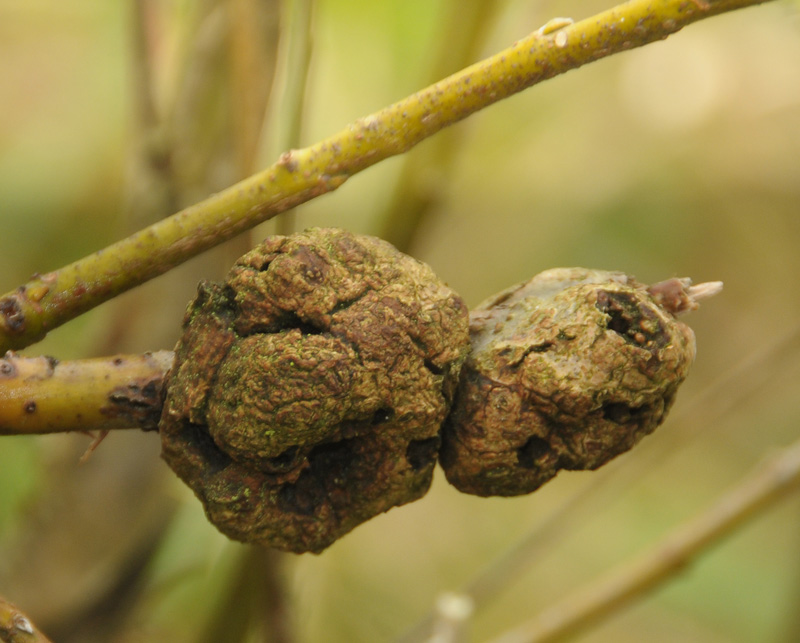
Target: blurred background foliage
678,159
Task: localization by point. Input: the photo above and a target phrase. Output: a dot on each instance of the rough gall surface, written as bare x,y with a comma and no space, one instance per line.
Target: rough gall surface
567,371
309,389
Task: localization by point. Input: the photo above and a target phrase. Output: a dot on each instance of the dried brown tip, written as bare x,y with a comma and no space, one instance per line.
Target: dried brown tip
704,290
679,295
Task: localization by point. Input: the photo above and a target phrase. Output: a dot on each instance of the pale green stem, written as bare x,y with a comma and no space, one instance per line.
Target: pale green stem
47,301
249,80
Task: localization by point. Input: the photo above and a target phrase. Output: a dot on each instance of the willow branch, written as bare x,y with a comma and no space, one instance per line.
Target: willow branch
49,300
601,599
41,395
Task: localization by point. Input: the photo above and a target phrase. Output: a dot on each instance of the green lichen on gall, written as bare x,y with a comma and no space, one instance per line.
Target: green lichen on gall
267,404
567,371
310,388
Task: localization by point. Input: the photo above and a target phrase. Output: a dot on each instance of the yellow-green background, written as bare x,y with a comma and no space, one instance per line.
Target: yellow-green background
679,159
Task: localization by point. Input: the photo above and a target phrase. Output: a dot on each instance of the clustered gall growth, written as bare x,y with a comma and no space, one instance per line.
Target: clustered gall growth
309,389
317,386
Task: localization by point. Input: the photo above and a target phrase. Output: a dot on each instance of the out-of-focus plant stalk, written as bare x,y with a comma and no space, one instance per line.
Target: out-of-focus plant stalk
422,182
770,482
49,300
291,80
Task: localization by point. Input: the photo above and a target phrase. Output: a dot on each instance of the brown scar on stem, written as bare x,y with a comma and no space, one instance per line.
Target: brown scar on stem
12,314
139,401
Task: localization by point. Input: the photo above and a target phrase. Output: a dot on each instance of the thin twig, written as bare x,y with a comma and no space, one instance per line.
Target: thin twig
28,313
601,599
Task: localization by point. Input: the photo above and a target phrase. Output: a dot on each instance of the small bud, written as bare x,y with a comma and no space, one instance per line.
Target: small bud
22,623
567,371
309,389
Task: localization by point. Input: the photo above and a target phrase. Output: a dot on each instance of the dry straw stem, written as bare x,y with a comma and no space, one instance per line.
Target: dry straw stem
42,395
601,599
49,300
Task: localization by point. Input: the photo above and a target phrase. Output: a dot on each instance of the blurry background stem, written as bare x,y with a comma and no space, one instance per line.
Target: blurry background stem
287,104
424,177
757,492
254,604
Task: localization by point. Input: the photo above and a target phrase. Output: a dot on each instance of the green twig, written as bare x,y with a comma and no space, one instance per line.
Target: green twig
47,301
